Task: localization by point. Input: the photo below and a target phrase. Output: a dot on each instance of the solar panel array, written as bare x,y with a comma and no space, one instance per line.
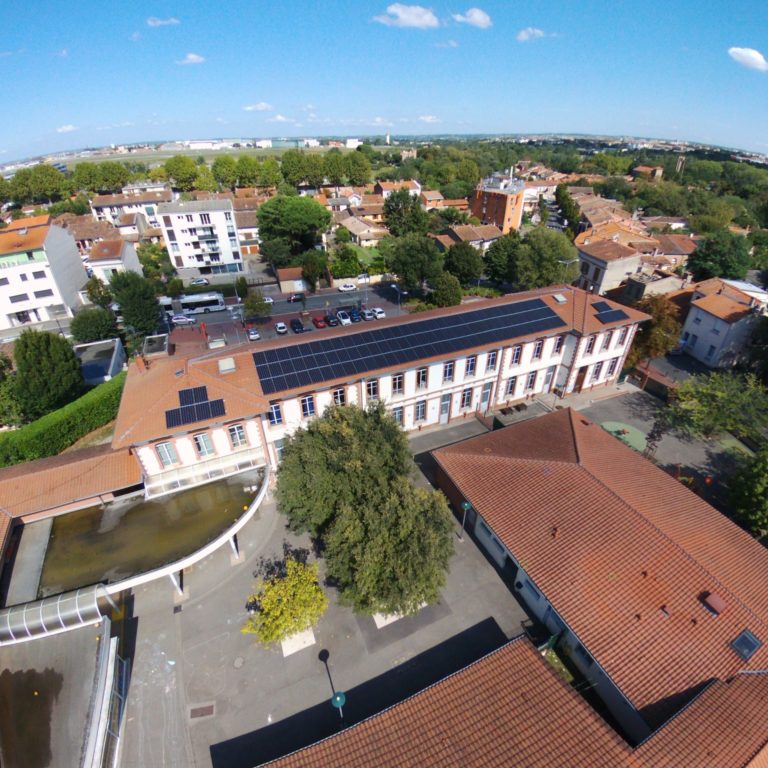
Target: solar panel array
353,355
601,306
612,315
195,406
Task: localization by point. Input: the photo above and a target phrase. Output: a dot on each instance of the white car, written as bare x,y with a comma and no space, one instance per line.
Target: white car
182,320
268,300
199,281
378,313
253,334
366,314
345,287
281,328
343,317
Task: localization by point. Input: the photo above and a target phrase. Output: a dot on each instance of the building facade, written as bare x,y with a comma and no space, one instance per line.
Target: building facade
112,207
41,273
109,257
201,237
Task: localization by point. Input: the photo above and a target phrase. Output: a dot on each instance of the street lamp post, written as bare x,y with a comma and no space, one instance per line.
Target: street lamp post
466,506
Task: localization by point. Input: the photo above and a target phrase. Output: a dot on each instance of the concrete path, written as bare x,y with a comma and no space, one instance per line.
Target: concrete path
28,565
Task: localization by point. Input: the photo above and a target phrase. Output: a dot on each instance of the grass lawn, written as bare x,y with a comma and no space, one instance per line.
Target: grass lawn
366,255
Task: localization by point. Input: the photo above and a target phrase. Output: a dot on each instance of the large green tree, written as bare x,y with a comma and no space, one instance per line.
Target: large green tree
138,303
347,480
748,491
314,169
247,171
10,411
93,325
722,400
358,168
183,171
335,167
293,167
98,293
225,171
298,220
47,373
270,174
548,257
658,335
722,254
447,292
464,262
498,257
415,260
404,215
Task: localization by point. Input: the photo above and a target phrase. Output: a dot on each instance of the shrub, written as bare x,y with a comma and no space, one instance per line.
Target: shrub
58,430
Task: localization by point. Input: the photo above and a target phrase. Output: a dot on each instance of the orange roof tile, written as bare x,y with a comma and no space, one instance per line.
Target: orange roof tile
501,710
69,477
107,250
607,250
17,240
724,727
622,550
289,273
723,307
29,222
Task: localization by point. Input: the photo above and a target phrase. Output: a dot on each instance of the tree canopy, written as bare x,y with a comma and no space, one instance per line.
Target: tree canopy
722,254
183,170
47,373
658,335
297,220
93,325
447,291
748,491
138,303
464,262
346,479
404,215
415,260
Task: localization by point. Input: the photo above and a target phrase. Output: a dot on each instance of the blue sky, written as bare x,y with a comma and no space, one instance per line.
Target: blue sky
94,73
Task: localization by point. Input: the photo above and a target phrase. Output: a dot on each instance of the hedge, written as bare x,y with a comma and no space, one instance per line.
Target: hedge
56,431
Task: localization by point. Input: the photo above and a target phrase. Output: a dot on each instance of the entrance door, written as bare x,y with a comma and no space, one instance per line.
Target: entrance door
445,408
485,396
548,378
580,376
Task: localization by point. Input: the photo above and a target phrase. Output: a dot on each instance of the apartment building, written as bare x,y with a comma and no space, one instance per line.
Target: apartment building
498,200
435,368
41,273
201,237
134,199
606,264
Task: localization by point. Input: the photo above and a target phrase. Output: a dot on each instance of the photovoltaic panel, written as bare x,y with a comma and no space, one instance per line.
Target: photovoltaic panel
611,316
313,362
193,395
193,413
602,306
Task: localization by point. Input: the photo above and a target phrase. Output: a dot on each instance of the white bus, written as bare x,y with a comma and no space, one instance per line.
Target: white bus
202,302
166,303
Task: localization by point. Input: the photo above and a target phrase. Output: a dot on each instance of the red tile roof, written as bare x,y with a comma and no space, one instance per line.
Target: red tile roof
107,250
509,708
622,550
607,250
722,307
725,727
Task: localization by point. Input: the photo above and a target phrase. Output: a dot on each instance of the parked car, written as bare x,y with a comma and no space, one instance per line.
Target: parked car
294,297
355,316
343,317
199,281
253,334
182,320
281,328
270,300
345,287
297,326
331,320
367,314
319,321
378,313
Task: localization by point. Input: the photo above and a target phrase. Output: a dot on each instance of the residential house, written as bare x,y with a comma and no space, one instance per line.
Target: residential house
369,211
605,265
626,232
365,233
664,222
291,280
648,172
247,226
481,236
605,549
451,364
109,257
134,228
498,200
720,322
86,230
534,190
386,188
430,199
201,237
41,273
112,207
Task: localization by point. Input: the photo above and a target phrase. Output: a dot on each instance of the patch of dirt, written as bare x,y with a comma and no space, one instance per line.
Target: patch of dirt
97,437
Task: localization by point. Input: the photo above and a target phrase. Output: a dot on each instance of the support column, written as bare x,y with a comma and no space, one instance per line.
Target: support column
178,582
236,556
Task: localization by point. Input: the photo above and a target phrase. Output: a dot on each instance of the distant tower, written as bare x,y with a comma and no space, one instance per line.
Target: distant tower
388,139
680,167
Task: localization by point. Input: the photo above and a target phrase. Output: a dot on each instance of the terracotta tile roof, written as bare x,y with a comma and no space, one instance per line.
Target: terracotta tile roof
725,727
467,233
248,203
501,710
107,250
289,273
622,550
460,203
395,185
86,227
29,222
722,307
607,250
677,245
717,286
369,200
16,240
150,392
200,194
128,219
100,201
65,479
246,219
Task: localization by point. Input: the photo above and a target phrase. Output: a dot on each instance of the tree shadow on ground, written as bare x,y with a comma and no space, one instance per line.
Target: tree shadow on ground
369,698
274,567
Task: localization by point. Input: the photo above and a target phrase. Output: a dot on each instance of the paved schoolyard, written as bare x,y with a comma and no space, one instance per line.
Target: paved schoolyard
204,694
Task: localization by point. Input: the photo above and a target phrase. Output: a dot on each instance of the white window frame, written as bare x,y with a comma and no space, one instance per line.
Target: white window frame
466,398
237,435
558,345
590,348
517,353
398,383
511,386
275,414
339,396
203,445
530,382
448,371
170,458
420,411
372,389
422,378
538,349
308,406
397,414
596,371
490,364
470,366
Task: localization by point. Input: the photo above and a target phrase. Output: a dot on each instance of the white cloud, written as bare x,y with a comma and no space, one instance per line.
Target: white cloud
111,127
308,108
447,44
66,129
192,58
62,54
153,21
750,58
281,119
429,119
475,18
399,15
261,106
530,33
382,121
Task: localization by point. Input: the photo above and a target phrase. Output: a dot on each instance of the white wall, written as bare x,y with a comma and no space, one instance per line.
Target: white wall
703,331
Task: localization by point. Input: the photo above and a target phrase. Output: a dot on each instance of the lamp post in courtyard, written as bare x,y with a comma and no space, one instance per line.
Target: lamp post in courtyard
465,506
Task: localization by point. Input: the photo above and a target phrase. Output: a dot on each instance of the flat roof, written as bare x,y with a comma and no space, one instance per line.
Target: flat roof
194,206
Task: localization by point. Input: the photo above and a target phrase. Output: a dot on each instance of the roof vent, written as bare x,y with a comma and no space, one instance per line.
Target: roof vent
713,603
227,365
559,298
23,231
746,645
